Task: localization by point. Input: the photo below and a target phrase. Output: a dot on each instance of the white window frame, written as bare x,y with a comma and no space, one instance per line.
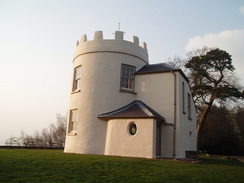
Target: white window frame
77,79
189,105
127,79
73,120
183,98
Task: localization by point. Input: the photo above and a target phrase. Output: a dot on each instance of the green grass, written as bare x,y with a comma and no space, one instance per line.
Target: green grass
22,165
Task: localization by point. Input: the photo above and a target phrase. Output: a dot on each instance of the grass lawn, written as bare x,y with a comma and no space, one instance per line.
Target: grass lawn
22,165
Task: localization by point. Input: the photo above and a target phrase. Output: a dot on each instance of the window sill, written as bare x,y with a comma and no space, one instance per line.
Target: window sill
76,91
128,91
72,134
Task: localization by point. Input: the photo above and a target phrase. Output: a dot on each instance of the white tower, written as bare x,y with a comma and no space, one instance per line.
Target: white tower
97,88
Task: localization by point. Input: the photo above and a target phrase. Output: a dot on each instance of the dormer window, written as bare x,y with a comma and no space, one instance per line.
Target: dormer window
127,77
77,77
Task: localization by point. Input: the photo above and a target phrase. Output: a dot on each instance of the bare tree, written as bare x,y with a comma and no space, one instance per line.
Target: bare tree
59,130
47,137
29,141
13,141
53,136
177,62
39,141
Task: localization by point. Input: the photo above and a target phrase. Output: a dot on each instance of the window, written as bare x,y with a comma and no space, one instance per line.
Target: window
127,77
77,76
132,128
72,120
189,105
183,97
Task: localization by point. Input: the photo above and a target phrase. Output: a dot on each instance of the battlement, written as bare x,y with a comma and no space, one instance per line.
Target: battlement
119,35
118,45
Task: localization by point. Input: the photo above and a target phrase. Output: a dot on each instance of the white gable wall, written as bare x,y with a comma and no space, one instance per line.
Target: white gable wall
156,90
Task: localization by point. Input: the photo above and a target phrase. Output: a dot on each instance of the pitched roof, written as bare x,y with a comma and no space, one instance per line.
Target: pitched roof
156,68
136,109
159,68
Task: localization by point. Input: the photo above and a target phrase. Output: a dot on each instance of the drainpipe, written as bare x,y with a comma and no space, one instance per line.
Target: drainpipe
174,121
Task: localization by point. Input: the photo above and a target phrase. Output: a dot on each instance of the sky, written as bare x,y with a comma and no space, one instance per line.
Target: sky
38,38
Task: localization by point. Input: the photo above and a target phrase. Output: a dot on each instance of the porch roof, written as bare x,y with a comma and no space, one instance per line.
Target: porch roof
136,109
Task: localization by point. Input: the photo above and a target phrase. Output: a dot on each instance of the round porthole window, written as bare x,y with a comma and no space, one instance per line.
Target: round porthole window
132,128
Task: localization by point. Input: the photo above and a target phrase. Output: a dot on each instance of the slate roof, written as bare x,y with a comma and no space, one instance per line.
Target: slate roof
159,68
136,109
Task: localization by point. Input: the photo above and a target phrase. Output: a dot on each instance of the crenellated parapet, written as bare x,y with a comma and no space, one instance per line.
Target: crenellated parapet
117,45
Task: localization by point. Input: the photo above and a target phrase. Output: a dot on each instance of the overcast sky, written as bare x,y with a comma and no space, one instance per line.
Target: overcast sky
38,38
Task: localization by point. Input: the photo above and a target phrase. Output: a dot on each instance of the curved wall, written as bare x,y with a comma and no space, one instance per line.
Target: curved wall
100,62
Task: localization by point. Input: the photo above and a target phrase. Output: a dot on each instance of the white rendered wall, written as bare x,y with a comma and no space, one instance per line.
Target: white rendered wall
186,137
121,143
100,62
156,90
